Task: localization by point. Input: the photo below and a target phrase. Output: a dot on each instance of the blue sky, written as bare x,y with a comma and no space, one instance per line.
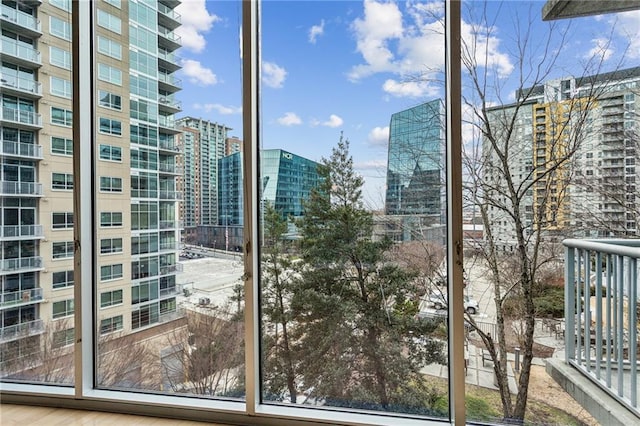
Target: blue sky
346,66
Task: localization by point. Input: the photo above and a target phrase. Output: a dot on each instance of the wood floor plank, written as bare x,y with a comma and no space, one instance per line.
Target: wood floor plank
24,415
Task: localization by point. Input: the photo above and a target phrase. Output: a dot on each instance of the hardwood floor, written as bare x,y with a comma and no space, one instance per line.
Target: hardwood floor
23,415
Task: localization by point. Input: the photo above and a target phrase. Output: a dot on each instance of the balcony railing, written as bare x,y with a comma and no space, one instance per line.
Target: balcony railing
170,168
172,315
25,85
21,264
601,311
20,297
170,195
170,269
21,231
21,330
19,149
170,79
170,13
19,116
20,188
20,51
20,18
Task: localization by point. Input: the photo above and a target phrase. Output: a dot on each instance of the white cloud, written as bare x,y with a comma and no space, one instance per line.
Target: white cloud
627,27
196,20
601,49
289,119
273,75
334,121
413,45
379,136
412,89
382,23
370,165
197,73
315,31
220,109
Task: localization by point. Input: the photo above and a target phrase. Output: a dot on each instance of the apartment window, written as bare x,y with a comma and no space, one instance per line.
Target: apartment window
60,87
109,100
109,47
61,146
110,184
110,152
110,272
63,338
61,4
145,315
64,308
61,116
60,57
110,245
62,249
60,28
62,181
115,3
109,325
110,298
109,74
62,279
110,219
62,220
110,127
110,22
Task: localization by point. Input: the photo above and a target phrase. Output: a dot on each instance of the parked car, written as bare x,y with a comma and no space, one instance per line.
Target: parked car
440,301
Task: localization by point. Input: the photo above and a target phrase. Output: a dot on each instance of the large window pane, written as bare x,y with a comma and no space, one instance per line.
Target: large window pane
353,218
169,313
37,330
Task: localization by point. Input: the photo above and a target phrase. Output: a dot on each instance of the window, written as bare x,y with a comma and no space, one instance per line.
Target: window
111,127
62,249
63,181
62,220
60,87
109,74
110,152
109,47
110,184
61,116
109,100
108,21
60,28
115,3
61,146
109,325
60,57
110,298
61,4
62,279
63,338
63,308
110,245
110,219
110,272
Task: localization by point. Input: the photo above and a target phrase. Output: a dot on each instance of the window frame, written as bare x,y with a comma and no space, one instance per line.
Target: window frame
68,181
67,151
66,224
67,310
66,254
66,57
110,187
111,223
68,279
67,121
113,247
84,395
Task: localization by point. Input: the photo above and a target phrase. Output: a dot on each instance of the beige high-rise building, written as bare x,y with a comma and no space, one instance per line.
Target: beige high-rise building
135,191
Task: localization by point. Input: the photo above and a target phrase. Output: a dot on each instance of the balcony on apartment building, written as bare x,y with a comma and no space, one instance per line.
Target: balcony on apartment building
601,328
168,60
21,330
17,189
21,264
20,297
20,118
26,88
23,150
167,39
21,232
17,21
20,53
167,17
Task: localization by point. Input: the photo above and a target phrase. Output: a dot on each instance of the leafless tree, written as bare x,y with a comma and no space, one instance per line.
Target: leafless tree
519,182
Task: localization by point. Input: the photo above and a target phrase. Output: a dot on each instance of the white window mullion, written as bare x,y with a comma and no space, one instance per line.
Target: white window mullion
83,131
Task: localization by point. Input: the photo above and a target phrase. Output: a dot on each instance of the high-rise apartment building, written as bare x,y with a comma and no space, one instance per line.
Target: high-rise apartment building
203,144
136,199
414,203
594,194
